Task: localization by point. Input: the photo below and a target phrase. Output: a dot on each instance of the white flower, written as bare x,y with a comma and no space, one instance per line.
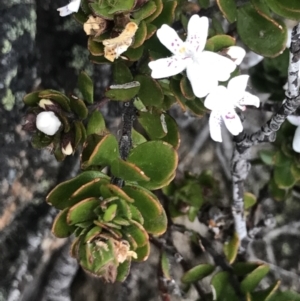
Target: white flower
72,7
48,123
222,103
204,68
295,120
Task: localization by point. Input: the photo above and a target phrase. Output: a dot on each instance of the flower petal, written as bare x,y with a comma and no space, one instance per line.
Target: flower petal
48,123
217,99
168,66
197,33
218,64
249,100
296,140
203,81
170,39
232,122
236,53
294,120
72,7
215,121
237,87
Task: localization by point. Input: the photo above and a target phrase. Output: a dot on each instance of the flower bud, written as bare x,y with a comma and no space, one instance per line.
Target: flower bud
67,150
45,102
47,123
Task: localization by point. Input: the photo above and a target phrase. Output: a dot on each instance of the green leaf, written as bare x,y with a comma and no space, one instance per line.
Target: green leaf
137,138
197,107
96,48
133,54
96,124
172,137
157,159
60,227
78,107
91,234
221,41
151,29
186,89
175,89
157,12
231,248
228,9
145,11
283,176
59,196
40,140
289,9
267,156
101,153
155,220
110,190
165,265
167,15
251,281
244,268
277,193
121,73
249,200
137,232
123,92
102,9
83,211
140,35
57,97
110,213
261,34
152,124
32,99
150,92
285,296
265,294
123,270
143,252
78,133
122,6
127,171
197,273
86,87
204,3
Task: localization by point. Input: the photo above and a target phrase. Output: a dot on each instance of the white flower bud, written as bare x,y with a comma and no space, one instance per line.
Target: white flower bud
48,123
68,150
45,102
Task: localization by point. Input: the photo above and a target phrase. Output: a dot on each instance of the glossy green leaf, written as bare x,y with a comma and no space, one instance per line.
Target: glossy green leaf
83,211
78,107
221,41
251,281
151,29
59,196
96,124
157,12
231,248
123,270
175,89
121,73
244,268
137,138
40,140
137,232
95,48
121,6
110,190
80,16
264,295
140,35
172,137
167,15
143,252
98,59
102,153
136,215
249,200
110,213
152,124
60,227
287,9
186,89
123,92
127,171
57,97
228,9
102,9
285,296
78,133
155,220
157,159
165,265
197,107
261,34
145,11
277,193
150,92
32,99
197,273
133,54
91,234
